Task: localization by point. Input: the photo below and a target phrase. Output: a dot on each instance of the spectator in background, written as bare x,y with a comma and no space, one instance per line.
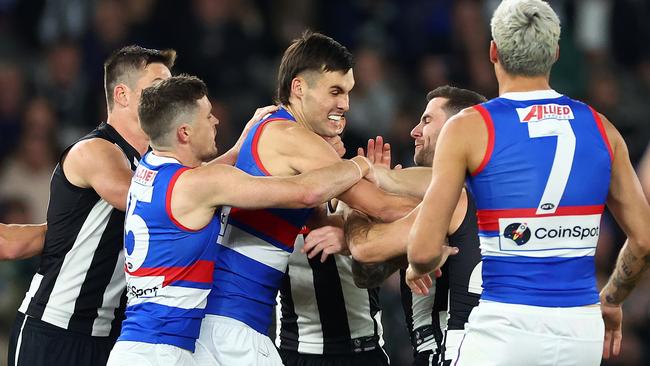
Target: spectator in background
11,103
60,80
375,101
26,174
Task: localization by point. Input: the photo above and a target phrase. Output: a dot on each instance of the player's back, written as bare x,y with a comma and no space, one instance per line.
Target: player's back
254,247
168,267
540,193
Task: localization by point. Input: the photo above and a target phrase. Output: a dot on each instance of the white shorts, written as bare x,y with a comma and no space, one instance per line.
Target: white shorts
451,342
509,334
226,342
126,353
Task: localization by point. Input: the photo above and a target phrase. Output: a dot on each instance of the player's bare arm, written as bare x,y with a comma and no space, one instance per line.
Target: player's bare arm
102,166
627,203
460,148
21,241
379,249
410,181
313,153
215,185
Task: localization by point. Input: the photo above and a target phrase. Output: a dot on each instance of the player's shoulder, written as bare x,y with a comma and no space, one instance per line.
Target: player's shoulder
466,120
93,150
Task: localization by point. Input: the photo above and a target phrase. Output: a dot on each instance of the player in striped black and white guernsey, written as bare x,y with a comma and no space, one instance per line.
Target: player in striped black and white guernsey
541,167
72,312
171,227
324,318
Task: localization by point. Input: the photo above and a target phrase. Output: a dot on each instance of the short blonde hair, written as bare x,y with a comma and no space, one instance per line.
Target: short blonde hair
526,33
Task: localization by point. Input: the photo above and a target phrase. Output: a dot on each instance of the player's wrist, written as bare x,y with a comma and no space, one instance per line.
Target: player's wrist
609,300
363,164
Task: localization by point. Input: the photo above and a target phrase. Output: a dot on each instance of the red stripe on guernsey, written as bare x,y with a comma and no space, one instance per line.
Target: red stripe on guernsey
488,220
268,224
168,200
256,139
201,271
490,130
601,128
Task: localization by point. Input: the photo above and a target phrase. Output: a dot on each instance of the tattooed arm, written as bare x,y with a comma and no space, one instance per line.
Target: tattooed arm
373,275
630,208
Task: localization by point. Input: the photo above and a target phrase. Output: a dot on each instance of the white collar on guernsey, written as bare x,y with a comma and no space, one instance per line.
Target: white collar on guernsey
532,95
155,160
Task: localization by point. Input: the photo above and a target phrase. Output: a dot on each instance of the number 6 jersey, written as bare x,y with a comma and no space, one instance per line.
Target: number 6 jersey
540,192
169,267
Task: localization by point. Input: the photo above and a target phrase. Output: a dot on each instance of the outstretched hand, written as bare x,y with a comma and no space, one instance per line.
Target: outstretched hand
378,153
420,283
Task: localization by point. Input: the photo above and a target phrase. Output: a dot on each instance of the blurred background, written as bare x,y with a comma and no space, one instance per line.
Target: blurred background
51,92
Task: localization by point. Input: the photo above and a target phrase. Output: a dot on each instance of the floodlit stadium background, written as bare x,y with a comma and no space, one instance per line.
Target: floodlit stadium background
51,92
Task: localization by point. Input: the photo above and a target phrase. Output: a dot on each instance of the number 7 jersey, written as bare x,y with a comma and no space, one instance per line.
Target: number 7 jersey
540,193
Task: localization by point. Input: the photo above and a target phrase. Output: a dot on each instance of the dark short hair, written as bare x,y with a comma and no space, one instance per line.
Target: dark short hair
457,98
163,102
311,52
122,64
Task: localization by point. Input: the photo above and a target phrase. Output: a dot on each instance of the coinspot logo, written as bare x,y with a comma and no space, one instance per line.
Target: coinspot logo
517,232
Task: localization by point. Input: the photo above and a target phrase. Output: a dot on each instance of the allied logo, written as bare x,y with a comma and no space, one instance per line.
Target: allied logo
540,112
517,232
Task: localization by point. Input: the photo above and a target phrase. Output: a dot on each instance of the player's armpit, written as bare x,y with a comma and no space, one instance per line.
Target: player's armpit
21,241
102,166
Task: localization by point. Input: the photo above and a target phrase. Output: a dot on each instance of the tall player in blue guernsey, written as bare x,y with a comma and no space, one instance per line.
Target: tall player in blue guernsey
541,168
315,79
171,228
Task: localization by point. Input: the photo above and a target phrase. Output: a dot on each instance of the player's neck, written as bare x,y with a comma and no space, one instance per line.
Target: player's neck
299,116
186,158
511,84
129,128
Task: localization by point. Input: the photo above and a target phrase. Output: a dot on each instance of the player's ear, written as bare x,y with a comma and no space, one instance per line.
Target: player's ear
494,52
297,86
183,133
121,95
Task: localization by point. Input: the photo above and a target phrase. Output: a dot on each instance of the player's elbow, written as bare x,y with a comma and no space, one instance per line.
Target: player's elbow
10,252
425,256
362,252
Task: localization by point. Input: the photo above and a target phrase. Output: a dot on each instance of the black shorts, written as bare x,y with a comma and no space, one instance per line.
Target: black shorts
426,358
43,344
375,357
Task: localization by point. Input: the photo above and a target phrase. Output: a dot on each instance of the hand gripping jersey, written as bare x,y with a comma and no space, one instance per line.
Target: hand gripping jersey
168,267
540,192
255,247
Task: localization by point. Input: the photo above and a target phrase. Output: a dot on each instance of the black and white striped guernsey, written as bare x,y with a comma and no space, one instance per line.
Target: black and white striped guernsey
80,283
322,311
455,293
